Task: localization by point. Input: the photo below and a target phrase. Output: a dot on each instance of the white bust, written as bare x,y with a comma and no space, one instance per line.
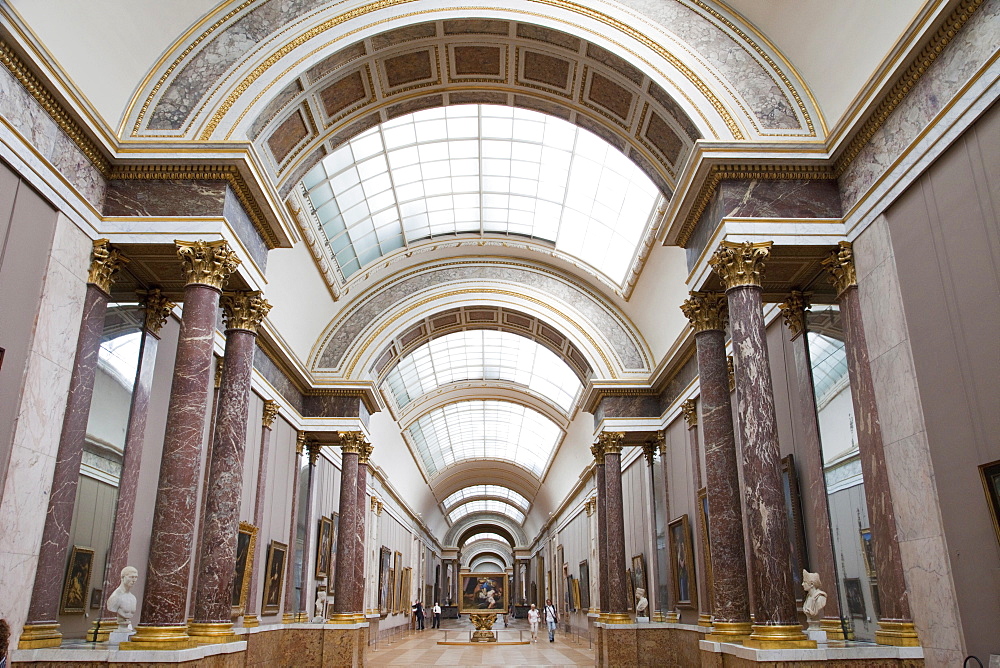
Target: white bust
640,602
122,601
815,598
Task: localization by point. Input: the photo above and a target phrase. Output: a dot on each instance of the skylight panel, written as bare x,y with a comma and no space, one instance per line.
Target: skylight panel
497,491
485,536
486,506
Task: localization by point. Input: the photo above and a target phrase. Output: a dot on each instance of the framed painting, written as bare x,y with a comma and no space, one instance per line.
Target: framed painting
682,563
406,591
577,591
77,584
483,592
585,585
246,542
706,545
397,584
335,520
796,531
639,573
991,483
571,602
274,577
324,541
855,598
868,552
95,598
384,566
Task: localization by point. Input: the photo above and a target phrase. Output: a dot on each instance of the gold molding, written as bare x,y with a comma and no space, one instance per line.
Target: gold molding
706,311
731,370
351,442
157,309
220,363
244,310
793,310
105,262
365,450
840,266
740,264
896,633
38,636
611,442
690,411
269,413
207,262
597,449
314,448
300,442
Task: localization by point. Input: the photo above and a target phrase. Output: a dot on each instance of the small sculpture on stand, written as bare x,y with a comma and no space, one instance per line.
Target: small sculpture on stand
122,602
813,606
320,617
641,606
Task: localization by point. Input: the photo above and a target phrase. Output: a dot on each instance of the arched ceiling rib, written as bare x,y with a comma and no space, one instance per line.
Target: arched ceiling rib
499,524
485,536
473,492
486,506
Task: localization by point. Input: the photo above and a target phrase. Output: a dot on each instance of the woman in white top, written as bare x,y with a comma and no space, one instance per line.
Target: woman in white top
534,616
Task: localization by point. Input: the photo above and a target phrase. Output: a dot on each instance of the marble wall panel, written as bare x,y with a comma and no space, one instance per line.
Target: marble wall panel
615,62
289,133
476,27
278,380
477,97
403,35
238,219
627,407
471,60
664,138
342,93
142,197
272,108
410,106
546,69
544,106
408,68
554,37
611,96
674,109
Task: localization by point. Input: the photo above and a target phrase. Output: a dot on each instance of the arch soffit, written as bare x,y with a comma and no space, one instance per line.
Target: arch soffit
607,339
488,555
486,562
708,60
477,390
485,472
485,497
503,544
485,522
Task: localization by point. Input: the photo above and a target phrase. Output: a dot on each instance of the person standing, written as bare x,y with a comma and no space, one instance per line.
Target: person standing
418,613
436,611
551,619
533,617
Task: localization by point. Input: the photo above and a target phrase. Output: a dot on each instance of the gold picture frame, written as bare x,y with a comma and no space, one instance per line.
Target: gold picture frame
246,548
274,578
384,581
76,586
405,590
397,582
682,563
482,593
324,543
990,473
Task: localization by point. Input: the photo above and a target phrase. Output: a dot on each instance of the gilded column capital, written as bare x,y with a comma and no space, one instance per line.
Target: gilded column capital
377,505
661,441
706,311
794,311
220,364
244,310
649,451
105,261
590,505
611,441
157,308
365,450
206,262
351,441
300,442
597,449
270,413
689,410
840,265
314,448
731,370
739,264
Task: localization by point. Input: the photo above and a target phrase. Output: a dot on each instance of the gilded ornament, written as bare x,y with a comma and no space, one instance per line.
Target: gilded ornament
690,411
314,448
706,311
244,310
365,450
158,308
611,441
351,441
105,261
300,442
731,369
597,449
740,264
661,441
840,265
270,413
794,311
220,364
207,262
649,451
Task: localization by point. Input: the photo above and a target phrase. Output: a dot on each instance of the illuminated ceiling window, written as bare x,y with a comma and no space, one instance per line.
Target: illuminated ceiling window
483,355
486,506
481,169
829,363
486,536
488,429
495,491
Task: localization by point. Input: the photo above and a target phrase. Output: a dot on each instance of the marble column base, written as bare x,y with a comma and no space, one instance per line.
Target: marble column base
736,632
897,634
205,633
620,647
616,618
250,621
673,617
159,638
101,629
288,618
834,629
37,636
785,636
704,619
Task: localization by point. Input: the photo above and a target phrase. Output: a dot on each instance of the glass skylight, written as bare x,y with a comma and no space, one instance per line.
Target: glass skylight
119,357
483,355
486,506
495,491
481,169
485,536
829,363
484,429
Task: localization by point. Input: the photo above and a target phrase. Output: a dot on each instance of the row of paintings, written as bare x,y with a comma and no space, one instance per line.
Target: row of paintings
395,583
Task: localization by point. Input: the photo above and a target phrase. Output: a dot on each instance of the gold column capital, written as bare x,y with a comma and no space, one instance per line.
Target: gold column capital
351,441
270,412
689,409
300,442
244,310
649,450
661,441
794,311
365,450
739,264
206,262
377,505
840,265
105,261
706,311
597,449
590,505
611,441
731,370
220,364
314,448
158,309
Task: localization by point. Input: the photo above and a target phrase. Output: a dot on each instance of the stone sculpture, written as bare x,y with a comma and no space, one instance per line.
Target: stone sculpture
122,601
641,605
813,606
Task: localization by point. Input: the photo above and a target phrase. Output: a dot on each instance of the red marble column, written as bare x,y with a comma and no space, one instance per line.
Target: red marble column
158,309
705,594
618,590
42,628
220,365
810,458
270,412
671,614
308,548
344,584
896,624
730,592
364,453
162,625
244,311
602,530
775,617
288,617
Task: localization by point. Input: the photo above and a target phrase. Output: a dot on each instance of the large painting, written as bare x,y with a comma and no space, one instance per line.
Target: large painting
384,570
323,543
483,592
274,577
584,585
855,598
397,584
335,520
682,563
77,585
406,591
639,573
246,542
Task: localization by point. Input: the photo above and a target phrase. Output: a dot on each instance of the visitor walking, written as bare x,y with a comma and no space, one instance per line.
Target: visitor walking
551,619
533,617
436,620
418,612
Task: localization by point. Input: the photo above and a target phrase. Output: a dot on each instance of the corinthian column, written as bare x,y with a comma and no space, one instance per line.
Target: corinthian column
41,628
270,413
810,457
775,617
896,624
288,616
243,312
602,530
365,450
206,266
689,410
730,595
344,583
618,592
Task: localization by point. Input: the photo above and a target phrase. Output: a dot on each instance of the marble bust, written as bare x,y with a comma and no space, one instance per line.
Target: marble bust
122,601
641,605
320,605
815,599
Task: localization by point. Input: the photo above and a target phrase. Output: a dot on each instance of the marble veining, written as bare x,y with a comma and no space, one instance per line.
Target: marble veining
360,515
600,480
244,228
293,523
618,590
347,549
